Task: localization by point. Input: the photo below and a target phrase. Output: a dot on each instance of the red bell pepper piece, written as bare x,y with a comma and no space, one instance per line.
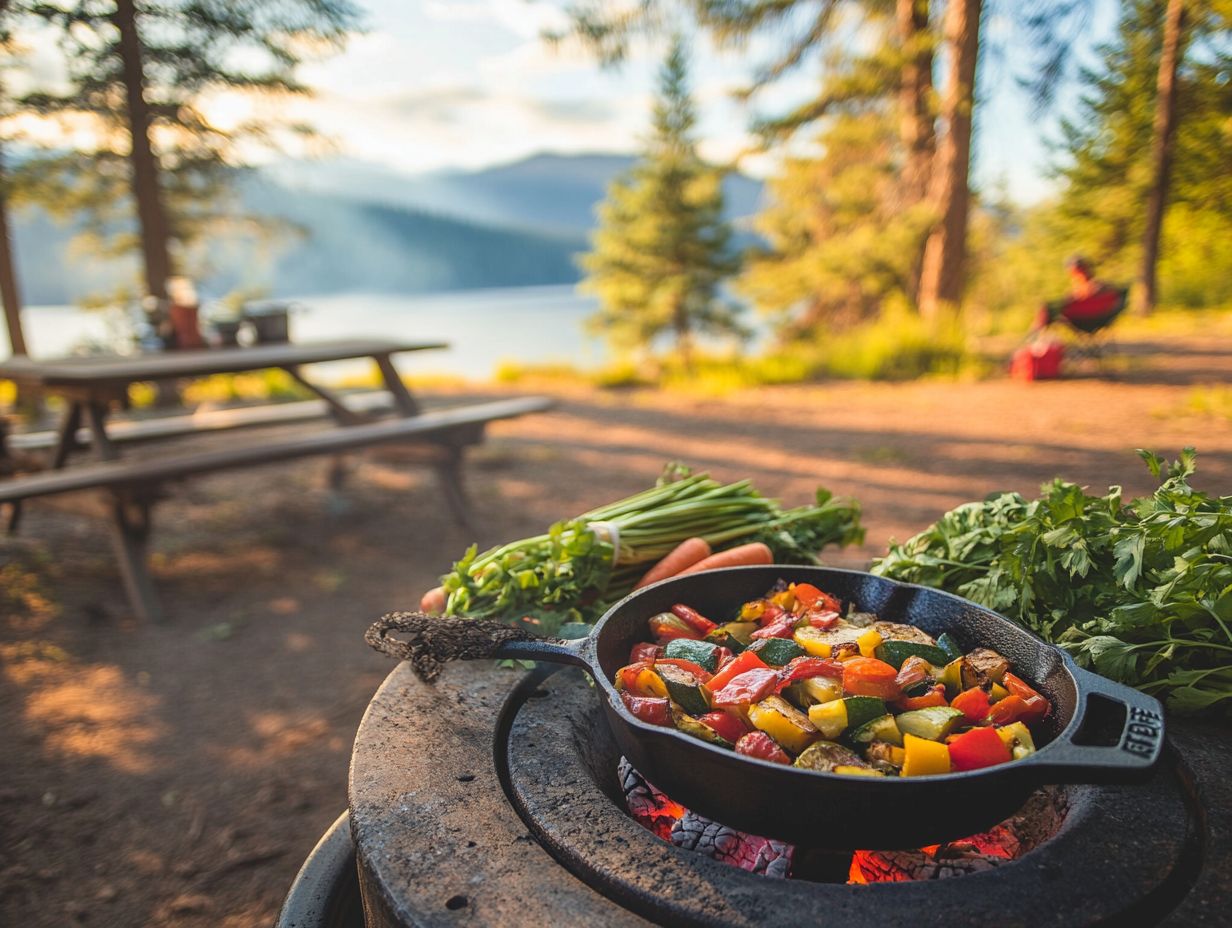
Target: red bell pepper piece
644,651
1016,709
747,660
825,620
972,703
695,620
802,668
698,671
726,725
811,597
759,744
724,655
977,748
649,709
1019,687
769,612
867,676
749,687
934,697
628,674
782,627
667,628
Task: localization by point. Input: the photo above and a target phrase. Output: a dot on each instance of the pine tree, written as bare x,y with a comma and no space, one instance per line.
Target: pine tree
1107,153
140,69
662,248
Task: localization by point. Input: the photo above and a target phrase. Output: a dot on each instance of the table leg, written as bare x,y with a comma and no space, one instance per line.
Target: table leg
130,533
104,447
339,410
406,403
449,472
66,442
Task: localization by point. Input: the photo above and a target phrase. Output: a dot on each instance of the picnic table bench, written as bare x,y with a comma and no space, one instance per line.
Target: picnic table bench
93,386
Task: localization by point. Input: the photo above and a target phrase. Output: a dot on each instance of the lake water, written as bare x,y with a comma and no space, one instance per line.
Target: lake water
532,325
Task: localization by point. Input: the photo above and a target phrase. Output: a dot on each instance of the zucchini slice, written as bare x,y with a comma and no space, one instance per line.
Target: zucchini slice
776,651
826,755
932,724
704,654
896,652
697,728
684,689
880,729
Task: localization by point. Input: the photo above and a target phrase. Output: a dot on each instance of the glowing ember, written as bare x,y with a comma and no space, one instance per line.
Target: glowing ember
1037,821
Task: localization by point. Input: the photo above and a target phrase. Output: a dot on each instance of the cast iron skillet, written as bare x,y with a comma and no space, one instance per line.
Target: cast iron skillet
807,807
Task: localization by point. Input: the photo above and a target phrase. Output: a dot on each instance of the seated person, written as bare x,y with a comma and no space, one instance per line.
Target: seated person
1089,304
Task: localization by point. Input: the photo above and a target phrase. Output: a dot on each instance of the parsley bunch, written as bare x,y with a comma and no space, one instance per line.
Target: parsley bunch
1141,591
574,571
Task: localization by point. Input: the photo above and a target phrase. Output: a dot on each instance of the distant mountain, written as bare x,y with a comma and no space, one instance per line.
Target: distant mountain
547,192
367,227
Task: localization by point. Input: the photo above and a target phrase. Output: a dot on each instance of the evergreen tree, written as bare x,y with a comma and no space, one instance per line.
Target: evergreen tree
140,70
662,248
1108,160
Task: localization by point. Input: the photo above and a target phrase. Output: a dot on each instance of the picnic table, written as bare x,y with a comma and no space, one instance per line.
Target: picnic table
93,386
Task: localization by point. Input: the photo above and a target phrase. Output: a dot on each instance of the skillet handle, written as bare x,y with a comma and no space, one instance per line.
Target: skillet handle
430,642
1136,751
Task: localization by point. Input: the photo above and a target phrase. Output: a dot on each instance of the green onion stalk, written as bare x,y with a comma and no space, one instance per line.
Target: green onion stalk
575,570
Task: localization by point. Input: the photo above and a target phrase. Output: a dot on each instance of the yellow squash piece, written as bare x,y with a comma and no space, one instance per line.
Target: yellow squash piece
822,689
813,640
853,771
869,642
649,683
829,718
1018,739
783,722
924,758
997,692
751,611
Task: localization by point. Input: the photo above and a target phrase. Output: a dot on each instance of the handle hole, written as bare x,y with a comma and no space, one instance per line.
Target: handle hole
1104,722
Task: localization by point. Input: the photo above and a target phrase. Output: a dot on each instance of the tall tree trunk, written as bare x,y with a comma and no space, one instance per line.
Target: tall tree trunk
1161,150
151,216
945,252
9,291
915,118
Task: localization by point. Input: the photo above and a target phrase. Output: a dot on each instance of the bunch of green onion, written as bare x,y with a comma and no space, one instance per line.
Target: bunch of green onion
581,565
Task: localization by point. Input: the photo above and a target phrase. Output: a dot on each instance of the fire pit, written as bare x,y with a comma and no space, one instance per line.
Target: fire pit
542,832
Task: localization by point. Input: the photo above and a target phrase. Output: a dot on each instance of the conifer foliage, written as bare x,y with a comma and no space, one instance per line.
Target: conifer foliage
663,248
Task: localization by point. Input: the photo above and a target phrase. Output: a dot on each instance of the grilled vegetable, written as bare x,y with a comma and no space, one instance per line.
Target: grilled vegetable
813,641
826,755
895,653
666,626
987,666
829,718
702,653
869,642
733,668
1018,739
820,689
777,651
867,676
923,757
933,724
654,711
879,729
746,688
978,748
851,770
947,644
640,680
759,744
697,728
896,631
739,632
725,724
861,709
972,703
684,688
783,722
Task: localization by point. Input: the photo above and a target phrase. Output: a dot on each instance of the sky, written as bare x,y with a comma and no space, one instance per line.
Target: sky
432,85
459,84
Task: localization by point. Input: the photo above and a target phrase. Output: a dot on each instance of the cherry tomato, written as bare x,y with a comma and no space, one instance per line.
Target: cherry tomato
867,676
649,709
749,687
759,744
726,725
694,619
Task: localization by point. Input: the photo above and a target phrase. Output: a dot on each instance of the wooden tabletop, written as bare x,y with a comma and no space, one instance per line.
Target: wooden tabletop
101,370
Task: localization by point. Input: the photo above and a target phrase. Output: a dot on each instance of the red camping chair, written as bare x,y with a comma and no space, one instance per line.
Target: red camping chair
1089,318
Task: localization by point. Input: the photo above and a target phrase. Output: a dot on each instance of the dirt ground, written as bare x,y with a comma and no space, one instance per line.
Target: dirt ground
179,774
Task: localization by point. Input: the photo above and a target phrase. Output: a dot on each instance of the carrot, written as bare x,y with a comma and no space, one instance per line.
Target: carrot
683,556
740,556
433,601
